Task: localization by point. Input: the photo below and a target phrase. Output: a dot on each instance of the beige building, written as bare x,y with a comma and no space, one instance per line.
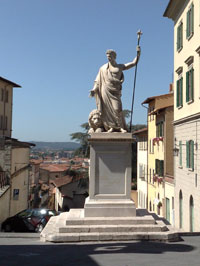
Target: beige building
14,177
69,192
160,188
6,101
141,136
14,158
186,17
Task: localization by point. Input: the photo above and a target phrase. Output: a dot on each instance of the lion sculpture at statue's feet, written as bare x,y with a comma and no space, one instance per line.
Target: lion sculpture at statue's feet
95,122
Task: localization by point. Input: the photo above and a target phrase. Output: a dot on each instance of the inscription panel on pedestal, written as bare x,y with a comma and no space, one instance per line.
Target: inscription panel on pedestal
110,173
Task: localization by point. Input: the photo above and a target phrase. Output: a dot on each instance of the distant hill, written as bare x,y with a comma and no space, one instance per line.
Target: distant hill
67,146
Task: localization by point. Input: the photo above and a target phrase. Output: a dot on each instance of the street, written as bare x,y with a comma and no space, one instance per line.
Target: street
30,251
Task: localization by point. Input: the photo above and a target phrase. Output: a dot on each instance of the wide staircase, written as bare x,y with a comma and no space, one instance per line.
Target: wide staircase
74,227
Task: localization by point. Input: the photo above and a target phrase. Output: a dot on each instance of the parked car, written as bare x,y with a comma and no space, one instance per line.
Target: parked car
29,220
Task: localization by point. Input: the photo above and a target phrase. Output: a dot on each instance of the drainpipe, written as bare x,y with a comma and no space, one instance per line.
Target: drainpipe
147,198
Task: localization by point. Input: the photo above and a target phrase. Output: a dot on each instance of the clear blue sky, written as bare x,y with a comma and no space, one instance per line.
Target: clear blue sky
54,48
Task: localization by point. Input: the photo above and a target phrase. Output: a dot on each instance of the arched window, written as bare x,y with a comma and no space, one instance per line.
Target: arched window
180,209
191,214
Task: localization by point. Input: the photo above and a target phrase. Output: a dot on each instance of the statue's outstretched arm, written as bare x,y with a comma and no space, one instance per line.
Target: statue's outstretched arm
135,61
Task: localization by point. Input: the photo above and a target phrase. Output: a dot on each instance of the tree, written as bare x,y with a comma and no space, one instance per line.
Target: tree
82,138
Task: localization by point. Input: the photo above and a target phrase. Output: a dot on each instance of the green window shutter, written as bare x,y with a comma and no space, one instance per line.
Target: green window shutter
161,168
157,166
192,154
181,91
192,19
177,43
181,35
180,153
192,84
187,154
187,86
160,129
187,25
177,93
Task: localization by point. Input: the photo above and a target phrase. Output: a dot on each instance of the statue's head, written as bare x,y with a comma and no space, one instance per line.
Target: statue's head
111,53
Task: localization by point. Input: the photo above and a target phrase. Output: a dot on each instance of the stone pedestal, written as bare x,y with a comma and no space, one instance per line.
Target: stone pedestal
110,176
109,213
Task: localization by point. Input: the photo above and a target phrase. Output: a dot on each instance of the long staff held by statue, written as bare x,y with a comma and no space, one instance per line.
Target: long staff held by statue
139,33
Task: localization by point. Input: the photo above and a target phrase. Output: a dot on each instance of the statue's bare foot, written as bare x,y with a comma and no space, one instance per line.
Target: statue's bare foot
110,130
123,130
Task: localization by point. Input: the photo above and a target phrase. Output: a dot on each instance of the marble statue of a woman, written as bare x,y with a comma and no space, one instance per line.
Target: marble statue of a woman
107,91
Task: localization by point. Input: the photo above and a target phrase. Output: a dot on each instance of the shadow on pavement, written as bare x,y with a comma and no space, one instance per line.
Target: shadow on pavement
80,254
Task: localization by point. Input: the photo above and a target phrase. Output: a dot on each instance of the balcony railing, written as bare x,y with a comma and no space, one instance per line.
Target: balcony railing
4,180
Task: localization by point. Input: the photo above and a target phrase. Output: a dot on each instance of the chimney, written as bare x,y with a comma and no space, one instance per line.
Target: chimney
171,87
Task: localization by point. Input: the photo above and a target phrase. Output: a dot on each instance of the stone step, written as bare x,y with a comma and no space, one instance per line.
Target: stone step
149,220
110,228
125,236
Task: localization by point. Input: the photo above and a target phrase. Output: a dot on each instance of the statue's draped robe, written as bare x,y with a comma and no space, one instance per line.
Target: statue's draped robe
108,98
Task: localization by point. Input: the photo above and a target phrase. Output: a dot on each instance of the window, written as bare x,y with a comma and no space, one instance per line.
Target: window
5,122
180,153
153,175
141,170
190,154
160,129
160,167
150,175
180,37
190,22
150,147
15,194
140,145
2,95
179,92
6,97
25,213
190,85
151,115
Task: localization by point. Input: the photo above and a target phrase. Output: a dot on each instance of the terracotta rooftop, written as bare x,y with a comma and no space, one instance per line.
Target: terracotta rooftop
61,181
54,167
155,97
140,131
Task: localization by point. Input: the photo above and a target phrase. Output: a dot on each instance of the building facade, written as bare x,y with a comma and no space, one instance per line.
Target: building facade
6,101
186,17
160,156
141,136
14,158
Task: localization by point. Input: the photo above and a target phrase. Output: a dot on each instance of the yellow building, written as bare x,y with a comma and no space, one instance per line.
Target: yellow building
160,155
14,158
186,17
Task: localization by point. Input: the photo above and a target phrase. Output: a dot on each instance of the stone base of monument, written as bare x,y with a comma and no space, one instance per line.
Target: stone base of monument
109,214
75,227
109,208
